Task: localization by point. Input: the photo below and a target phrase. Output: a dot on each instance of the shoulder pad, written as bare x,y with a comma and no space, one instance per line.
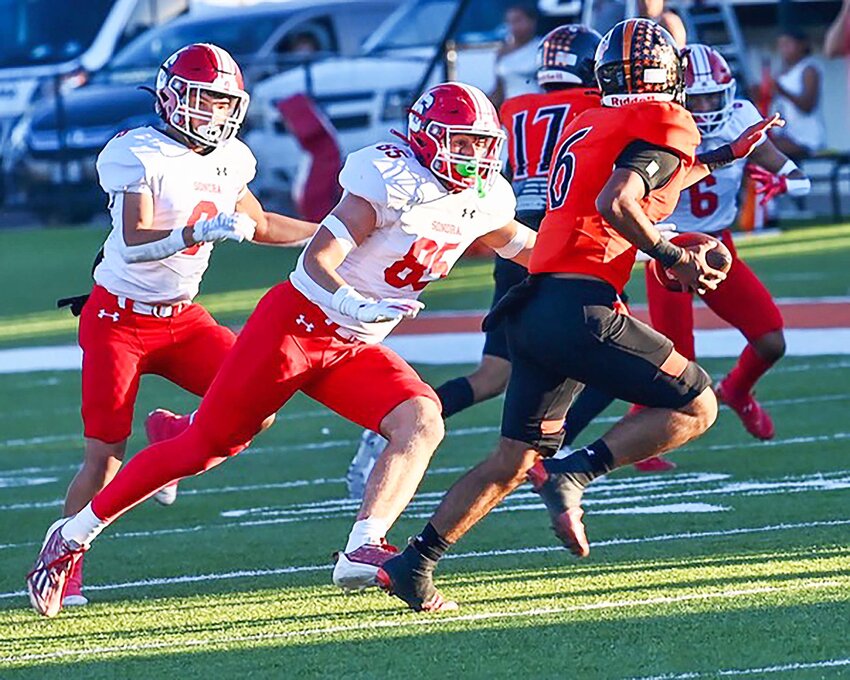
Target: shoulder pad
119,167
501,202
385,174
244,159
671,126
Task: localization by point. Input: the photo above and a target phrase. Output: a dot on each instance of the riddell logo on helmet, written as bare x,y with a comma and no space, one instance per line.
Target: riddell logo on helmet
623,100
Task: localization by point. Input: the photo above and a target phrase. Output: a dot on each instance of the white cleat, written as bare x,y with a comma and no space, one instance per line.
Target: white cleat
166,495
358,569
371,446
48,579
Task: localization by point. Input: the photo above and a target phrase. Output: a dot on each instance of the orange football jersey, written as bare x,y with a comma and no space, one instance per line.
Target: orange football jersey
534,123
573,237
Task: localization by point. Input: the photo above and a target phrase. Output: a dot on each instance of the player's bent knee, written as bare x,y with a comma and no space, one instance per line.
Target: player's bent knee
417,418
703,410
771,346
100,454
512,461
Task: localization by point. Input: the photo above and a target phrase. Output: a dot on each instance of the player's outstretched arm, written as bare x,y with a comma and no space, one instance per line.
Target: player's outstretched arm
348,225
273,228
746,143
139,242
514,241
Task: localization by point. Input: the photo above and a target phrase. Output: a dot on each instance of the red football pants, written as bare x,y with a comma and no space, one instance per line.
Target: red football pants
119,346
287,345
741,300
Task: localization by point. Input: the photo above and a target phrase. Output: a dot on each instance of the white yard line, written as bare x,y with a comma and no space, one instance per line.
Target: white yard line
421,622
257,573
764,670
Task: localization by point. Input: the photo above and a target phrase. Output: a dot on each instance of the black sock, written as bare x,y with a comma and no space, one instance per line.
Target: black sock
590,403
584,465
430,544
455,396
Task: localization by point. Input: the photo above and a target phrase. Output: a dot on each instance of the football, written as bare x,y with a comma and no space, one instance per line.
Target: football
718,257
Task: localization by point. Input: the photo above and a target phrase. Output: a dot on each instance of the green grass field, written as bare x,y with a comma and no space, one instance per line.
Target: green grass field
738,562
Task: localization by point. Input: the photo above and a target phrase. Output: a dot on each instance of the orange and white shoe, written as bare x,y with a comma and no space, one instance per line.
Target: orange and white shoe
74,590
754,416
162,424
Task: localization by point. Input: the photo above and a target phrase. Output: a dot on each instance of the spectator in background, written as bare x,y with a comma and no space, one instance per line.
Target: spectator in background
516,61
606,13
654,9
837,41
303,44
797,94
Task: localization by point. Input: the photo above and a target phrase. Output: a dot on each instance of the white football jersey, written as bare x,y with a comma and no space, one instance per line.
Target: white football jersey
711,204
185,186
422,230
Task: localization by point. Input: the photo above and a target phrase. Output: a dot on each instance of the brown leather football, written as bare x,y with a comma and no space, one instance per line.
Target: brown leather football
718,257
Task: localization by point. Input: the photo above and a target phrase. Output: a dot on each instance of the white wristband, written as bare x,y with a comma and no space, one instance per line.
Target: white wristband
347,301
156,250
516,245
340,232
798,186
788,167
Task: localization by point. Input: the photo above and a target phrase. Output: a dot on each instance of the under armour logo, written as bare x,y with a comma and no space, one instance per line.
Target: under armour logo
468,213
102,314
221,171
309,326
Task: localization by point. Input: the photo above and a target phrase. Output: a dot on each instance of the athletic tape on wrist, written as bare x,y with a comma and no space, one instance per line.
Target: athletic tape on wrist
789,167
340,232
516,245
798,186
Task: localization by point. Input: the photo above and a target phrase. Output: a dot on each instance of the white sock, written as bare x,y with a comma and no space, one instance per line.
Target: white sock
83,527
366,531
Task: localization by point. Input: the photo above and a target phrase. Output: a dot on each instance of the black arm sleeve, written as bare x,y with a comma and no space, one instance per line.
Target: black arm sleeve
654,164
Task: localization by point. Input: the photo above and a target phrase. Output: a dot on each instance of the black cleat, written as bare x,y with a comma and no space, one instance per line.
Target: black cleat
410,578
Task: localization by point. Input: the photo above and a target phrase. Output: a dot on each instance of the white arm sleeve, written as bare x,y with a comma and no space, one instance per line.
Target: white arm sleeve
156,250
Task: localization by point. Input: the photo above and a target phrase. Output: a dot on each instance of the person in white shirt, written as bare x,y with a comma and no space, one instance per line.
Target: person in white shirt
797,98
516,61
174,190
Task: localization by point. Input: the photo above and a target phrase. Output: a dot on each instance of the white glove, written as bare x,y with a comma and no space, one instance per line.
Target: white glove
348,301
235,226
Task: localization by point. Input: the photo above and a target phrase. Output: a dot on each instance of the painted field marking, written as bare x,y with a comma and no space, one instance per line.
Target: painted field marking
258,573
764,670
425,621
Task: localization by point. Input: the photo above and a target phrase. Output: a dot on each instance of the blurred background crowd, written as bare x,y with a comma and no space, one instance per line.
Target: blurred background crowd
330,76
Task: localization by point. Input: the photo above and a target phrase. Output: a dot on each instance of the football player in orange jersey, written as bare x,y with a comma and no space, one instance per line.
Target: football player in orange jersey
534,123
616,171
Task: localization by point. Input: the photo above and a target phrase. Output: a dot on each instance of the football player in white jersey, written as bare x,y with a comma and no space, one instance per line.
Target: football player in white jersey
409,211
711,206
173,191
